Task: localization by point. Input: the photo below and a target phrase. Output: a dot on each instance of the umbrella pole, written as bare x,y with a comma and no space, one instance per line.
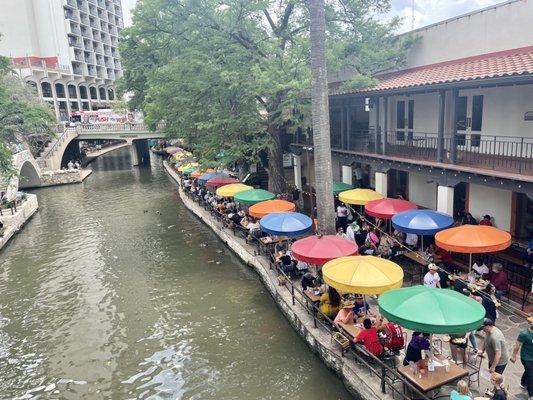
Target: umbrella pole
431,366
422,237
469,263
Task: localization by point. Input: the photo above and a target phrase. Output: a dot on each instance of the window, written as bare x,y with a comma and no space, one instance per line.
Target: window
111,94
461,118
477,112
60,90
411,114
83,92
47,89
102,93
400,120
72,92
94,93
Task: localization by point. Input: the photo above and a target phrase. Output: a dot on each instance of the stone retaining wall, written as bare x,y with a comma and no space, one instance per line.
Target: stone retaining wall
357,380
13,223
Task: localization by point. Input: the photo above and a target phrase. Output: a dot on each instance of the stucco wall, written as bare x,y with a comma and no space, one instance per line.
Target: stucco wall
421,191
499,28
495,202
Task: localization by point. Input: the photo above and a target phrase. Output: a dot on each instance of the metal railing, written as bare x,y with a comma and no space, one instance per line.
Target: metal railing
505,153
127,127
388,376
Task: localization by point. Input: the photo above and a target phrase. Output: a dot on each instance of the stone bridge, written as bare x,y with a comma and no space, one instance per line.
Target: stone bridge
135,134
28,175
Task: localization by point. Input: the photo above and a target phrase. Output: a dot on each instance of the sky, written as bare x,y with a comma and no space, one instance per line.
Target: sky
426,11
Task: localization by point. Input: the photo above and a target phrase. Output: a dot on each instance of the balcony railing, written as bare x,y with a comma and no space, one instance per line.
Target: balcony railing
502,153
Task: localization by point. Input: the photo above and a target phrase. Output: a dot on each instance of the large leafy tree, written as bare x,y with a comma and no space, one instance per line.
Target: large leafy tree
21,114
231,76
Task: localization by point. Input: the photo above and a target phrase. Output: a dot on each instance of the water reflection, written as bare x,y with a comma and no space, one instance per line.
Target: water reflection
114,290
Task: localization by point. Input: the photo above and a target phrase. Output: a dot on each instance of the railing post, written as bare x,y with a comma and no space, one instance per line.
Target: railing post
385,124
494,155
453,141
376,126
520,155
383,378
292,293
440,131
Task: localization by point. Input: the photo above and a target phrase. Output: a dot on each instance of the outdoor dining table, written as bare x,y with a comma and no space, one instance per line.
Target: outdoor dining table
311,296
351,329
434,380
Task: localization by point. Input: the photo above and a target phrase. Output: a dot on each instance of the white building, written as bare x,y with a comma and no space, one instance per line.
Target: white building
452,131
67,49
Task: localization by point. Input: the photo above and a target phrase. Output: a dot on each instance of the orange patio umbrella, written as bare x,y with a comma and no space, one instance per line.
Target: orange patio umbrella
473,239
196,174
263,208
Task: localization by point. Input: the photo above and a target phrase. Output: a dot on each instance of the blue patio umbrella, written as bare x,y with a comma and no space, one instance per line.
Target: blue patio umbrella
421,222
202,179
286,224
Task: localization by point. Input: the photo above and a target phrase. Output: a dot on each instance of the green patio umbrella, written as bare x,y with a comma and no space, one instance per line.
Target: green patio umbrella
190,170
253,196
339,187
431,310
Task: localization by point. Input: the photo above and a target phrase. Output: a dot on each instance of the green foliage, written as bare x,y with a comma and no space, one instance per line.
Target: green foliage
21,113
231,75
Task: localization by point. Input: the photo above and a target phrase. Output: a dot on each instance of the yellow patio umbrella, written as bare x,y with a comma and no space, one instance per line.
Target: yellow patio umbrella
187,166
359,196
362,274
181,155
232,189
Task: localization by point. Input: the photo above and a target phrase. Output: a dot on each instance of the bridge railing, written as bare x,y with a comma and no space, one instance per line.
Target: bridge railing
126,127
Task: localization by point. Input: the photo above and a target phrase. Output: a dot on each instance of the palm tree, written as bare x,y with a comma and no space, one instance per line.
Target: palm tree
320,107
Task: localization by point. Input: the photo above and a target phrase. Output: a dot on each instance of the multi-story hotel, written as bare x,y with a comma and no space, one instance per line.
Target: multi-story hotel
67,49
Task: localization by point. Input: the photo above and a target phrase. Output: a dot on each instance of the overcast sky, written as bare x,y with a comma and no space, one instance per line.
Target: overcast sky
426,11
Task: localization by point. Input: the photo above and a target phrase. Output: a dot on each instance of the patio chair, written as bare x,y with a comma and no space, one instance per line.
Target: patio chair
474,368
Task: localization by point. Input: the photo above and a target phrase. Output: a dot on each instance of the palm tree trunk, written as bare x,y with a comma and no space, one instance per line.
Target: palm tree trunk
320,106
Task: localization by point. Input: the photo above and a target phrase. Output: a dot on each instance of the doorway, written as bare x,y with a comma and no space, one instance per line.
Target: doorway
397,184
460,199
469,113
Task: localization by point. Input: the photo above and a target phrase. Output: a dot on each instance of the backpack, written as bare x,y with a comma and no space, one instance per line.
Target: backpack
394,340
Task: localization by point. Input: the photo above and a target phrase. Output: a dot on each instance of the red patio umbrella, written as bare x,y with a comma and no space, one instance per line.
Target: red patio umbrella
318,250
387,208
220,181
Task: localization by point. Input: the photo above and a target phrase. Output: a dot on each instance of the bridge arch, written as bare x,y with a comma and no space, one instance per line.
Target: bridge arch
29,175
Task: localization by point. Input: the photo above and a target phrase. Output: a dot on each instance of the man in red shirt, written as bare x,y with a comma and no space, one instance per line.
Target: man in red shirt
369,337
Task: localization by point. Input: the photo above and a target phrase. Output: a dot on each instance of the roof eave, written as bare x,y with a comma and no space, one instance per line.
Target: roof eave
510,80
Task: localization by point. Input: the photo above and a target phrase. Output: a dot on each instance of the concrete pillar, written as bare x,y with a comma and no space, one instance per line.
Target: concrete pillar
445,199
134,155
347,174
381,179
297,165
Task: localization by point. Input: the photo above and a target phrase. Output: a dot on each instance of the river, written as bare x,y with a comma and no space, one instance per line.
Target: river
115,291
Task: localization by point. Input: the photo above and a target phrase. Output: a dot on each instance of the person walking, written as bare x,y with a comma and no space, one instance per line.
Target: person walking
524,344
495,346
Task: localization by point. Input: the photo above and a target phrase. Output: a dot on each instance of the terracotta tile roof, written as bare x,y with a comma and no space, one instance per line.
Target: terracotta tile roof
492,65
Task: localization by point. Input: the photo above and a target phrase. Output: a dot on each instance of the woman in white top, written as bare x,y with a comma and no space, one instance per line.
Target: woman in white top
342,216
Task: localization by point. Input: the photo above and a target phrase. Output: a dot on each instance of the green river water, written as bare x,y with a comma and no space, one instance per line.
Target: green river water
115,291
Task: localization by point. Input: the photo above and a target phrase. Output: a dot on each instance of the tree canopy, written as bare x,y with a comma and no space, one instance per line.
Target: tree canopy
21,114
232,76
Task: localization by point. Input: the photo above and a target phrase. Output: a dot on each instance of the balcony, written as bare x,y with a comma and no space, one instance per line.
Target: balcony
92,71
78,56
110,74
497,153
70,3
74,42
107,51
99,50
75,30
86,34
99,61
69,14
94,13
77,69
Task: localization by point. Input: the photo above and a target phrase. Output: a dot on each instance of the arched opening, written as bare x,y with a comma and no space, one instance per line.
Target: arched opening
94,93
111,94
72,153
83,92
60,90
103,95
29,177
32,84
47,89
72,92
